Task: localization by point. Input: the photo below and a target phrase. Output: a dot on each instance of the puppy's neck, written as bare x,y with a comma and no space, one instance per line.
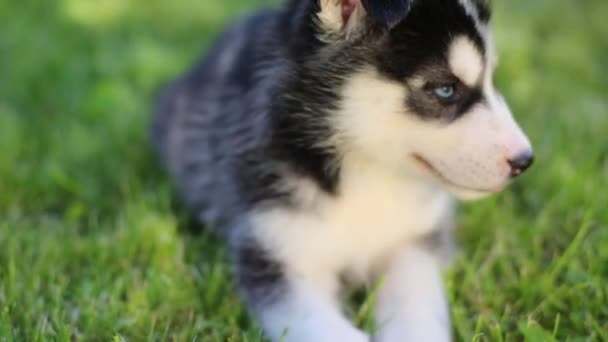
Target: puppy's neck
368,173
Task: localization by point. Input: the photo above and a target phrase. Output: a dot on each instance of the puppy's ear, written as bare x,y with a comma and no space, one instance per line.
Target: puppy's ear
388,13
341,16
347,16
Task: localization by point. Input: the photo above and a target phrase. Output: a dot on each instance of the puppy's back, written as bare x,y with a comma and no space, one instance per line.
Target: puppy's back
210,124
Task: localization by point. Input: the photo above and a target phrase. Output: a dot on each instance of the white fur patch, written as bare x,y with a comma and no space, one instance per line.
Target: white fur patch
411,304
375,213
492,62
466,61
309,313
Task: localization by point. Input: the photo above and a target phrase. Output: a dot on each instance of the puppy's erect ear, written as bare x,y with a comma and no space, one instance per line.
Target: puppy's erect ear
346,16
388,12
341,16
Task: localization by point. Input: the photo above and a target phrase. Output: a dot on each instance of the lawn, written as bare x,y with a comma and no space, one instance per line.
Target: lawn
93,247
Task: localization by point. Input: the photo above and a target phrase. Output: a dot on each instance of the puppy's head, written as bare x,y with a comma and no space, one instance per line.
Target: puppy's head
420,97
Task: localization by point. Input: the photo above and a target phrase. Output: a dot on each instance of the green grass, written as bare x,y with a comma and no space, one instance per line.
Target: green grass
90,246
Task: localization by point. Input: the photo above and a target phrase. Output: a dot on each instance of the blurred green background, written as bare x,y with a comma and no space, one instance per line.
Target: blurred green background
91,248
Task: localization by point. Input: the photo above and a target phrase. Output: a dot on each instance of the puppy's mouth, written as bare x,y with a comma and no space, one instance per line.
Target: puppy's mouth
428,166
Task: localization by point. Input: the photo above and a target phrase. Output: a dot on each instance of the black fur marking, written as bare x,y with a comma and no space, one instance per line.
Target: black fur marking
429,107
483,10
299,124
259,184
387,13
419,47
474,97
306,97
260,276
424,103
424,38
300,108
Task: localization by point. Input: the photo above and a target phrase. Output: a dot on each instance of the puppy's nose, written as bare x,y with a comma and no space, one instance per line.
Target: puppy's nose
521,163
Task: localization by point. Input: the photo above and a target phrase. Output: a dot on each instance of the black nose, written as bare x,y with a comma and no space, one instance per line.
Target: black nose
521,163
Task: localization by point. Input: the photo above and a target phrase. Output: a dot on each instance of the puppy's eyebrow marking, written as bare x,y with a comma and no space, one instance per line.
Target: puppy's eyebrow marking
466,61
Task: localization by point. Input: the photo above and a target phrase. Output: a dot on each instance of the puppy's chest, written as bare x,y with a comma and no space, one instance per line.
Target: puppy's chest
371,217
375,215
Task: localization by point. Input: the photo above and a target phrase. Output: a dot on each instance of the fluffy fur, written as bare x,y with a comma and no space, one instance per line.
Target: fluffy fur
327,140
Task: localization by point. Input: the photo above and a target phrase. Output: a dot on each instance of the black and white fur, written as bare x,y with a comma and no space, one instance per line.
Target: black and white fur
314,137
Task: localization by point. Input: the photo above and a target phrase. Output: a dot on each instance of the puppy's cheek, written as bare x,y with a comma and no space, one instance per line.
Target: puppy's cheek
484,172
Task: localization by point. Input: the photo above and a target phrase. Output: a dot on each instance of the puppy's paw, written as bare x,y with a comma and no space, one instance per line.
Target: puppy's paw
415,334
335,335
350,336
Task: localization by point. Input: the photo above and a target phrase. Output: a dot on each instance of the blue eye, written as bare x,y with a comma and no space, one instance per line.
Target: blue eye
444,92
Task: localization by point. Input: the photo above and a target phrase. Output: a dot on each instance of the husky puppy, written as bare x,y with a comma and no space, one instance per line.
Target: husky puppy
328,140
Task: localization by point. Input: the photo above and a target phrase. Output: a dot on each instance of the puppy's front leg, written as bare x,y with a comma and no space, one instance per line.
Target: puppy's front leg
412,305
293,306
306,314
